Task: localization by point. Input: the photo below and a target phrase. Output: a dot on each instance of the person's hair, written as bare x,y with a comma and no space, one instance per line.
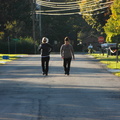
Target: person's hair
45,40
66,39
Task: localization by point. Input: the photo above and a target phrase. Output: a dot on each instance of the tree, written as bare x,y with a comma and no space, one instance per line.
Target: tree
95,13
15,17
112,27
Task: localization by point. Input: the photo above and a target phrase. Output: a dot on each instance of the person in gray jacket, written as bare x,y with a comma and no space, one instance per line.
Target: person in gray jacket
67,53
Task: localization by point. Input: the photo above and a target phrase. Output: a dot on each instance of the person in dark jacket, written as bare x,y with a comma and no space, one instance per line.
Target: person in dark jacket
67,53
45,49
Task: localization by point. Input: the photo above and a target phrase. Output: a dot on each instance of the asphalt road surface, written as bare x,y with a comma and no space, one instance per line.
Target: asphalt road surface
90,92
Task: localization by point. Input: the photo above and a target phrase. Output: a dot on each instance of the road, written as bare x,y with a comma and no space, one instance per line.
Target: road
90,92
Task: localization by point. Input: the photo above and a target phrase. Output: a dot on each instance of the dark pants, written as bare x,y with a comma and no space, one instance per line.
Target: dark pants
66,65
45,64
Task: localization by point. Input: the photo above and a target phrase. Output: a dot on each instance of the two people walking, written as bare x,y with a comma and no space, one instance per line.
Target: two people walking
66,51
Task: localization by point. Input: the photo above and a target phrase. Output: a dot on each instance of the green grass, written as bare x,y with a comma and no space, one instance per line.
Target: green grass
109,61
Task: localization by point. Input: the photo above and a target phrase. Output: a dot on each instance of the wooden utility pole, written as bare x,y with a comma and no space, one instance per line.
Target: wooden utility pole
40,23
33,19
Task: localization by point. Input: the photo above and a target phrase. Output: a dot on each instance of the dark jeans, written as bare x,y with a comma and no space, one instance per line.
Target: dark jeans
45,64
66,65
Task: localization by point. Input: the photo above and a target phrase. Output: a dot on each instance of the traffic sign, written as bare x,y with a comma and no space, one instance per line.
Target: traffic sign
101,39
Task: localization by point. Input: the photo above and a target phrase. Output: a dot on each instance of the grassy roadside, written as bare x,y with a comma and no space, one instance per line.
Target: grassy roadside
10,57
109,61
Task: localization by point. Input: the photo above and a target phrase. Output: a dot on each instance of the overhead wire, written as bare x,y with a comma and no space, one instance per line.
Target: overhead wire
80,13
51,3
60,4
57,2
71,8
55,6
45,4
59,13
60,10
68,6
75,6
79,1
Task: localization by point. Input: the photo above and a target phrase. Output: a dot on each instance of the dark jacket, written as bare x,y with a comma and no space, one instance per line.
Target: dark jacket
45,49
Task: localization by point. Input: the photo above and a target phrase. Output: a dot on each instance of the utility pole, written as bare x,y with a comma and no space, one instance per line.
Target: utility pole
33,19
40,22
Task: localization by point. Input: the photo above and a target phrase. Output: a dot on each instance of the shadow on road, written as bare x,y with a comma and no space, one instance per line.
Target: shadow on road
26,101
35,71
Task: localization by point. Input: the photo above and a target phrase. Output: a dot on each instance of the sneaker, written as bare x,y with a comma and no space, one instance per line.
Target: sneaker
46,74
67,73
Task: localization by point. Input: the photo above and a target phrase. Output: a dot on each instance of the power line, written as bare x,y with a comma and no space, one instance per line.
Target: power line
57,5
57,2
66,3
51,5
80,13
57,8
59,13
